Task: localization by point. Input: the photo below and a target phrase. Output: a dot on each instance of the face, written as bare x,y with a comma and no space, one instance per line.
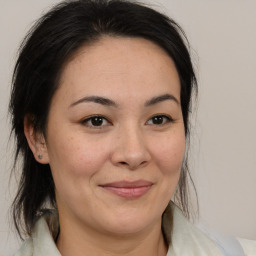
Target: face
115,136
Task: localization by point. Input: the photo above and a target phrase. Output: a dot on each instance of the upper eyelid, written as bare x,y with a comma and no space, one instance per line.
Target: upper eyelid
87,119
168,117
164,115
92,116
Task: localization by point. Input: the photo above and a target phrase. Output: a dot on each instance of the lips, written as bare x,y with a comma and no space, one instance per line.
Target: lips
128,189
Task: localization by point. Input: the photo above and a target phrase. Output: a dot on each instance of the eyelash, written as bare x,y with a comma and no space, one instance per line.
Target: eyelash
85,122
168,119
89,119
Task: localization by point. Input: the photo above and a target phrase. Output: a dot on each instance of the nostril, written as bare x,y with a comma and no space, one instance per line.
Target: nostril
123,163
144,162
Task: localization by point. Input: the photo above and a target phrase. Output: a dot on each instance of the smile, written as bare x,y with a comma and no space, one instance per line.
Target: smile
127,189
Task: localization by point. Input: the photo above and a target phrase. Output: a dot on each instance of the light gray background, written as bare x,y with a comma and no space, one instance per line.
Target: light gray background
223,36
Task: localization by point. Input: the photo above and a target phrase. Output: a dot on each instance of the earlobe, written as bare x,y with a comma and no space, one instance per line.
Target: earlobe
36,141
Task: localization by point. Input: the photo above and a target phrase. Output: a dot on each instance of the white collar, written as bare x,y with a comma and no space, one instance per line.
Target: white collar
186,239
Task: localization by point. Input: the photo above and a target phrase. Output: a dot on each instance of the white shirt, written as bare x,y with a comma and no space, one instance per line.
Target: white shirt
186,239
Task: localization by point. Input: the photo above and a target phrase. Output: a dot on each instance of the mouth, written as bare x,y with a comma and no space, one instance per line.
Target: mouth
128,189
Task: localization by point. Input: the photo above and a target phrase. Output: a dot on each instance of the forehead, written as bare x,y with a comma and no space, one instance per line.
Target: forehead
117,65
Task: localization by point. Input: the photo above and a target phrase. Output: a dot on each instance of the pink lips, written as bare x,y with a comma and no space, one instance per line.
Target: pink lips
128,189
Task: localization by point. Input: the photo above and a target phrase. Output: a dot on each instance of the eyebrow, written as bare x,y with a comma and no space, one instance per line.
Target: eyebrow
96,99
161,98
110,103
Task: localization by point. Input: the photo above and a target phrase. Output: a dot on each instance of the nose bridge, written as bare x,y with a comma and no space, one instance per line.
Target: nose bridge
131,149
134,142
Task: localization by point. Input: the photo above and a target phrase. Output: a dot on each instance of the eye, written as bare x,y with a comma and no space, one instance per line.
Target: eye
95,121
159,120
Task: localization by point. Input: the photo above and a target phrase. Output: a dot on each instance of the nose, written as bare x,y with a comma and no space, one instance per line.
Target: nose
130,149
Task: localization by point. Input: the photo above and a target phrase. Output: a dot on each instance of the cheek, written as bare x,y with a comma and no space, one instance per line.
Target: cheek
77,156
169,153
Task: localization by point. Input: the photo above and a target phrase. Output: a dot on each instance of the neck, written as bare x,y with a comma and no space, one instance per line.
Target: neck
78,240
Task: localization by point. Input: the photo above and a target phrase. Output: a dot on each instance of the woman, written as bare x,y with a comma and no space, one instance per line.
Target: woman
100,104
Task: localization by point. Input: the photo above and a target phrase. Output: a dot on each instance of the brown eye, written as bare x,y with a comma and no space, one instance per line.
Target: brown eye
159,120
95,121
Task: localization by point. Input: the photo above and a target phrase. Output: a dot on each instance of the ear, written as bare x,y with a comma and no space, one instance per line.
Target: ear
36,141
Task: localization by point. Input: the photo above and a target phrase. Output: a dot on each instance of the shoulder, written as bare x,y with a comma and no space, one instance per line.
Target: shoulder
249,246
202,241
185,238
26,249
41,242
230,245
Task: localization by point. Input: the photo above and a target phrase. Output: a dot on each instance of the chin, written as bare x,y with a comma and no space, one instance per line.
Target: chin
131,223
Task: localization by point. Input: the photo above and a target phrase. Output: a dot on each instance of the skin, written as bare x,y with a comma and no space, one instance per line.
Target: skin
128,145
